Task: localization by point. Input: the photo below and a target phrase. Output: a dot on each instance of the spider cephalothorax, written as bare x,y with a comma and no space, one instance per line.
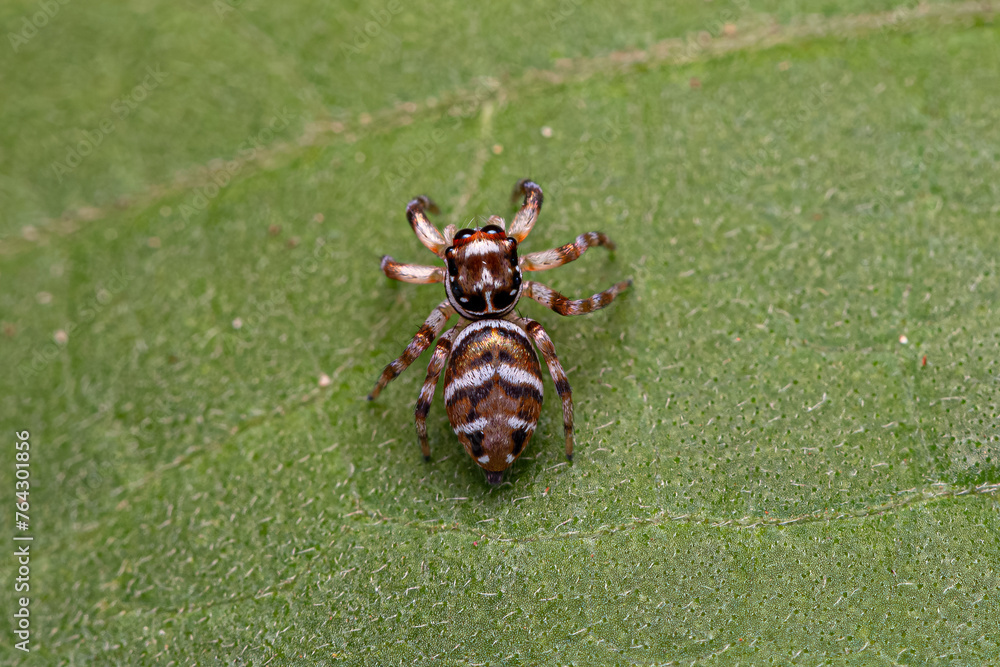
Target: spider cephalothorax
484,279
493,382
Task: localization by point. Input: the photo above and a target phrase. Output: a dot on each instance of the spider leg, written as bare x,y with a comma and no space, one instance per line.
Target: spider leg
422,227
521,226
548,350
412,273
550,298
434,368
549,259
430,330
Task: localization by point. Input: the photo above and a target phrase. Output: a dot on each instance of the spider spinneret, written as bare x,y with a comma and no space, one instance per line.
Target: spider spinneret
493,381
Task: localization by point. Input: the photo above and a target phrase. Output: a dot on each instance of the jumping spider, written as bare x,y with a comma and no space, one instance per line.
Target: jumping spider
493,382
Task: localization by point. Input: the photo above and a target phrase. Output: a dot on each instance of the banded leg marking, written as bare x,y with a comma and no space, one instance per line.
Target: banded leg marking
550,298
434,368
559,378
412,273
526,217
549,259
430,330
422,227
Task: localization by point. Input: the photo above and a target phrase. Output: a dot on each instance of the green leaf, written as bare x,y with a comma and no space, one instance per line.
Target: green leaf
787,429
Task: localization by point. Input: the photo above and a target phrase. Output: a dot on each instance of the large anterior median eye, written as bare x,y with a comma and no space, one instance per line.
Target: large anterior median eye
492,229
473,303
464,234
503,300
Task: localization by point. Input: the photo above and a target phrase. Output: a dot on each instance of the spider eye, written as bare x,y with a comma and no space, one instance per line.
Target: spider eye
519,436
512,252
476,440
473,303
503,300
492,229
463,234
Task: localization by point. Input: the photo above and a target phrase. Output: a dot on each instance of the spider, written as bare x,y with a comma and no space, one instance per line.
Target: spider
493,382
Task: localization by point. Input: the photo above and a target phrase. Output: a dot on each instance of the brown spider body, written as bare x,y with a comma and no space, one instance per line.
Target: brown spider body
484,279
493,392
493,382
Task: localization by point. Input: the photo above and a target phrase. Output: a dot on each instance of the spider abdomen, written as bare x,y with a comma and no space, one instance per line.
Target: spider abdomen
493,393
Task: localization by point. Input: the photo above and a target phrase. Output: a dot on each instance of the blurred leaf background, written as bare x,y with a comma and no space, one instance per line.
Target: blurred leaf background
787,430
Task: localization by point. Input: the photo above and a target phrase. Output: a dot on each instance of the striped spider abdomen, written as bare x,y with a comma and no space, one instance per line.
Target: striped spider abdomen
493,393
